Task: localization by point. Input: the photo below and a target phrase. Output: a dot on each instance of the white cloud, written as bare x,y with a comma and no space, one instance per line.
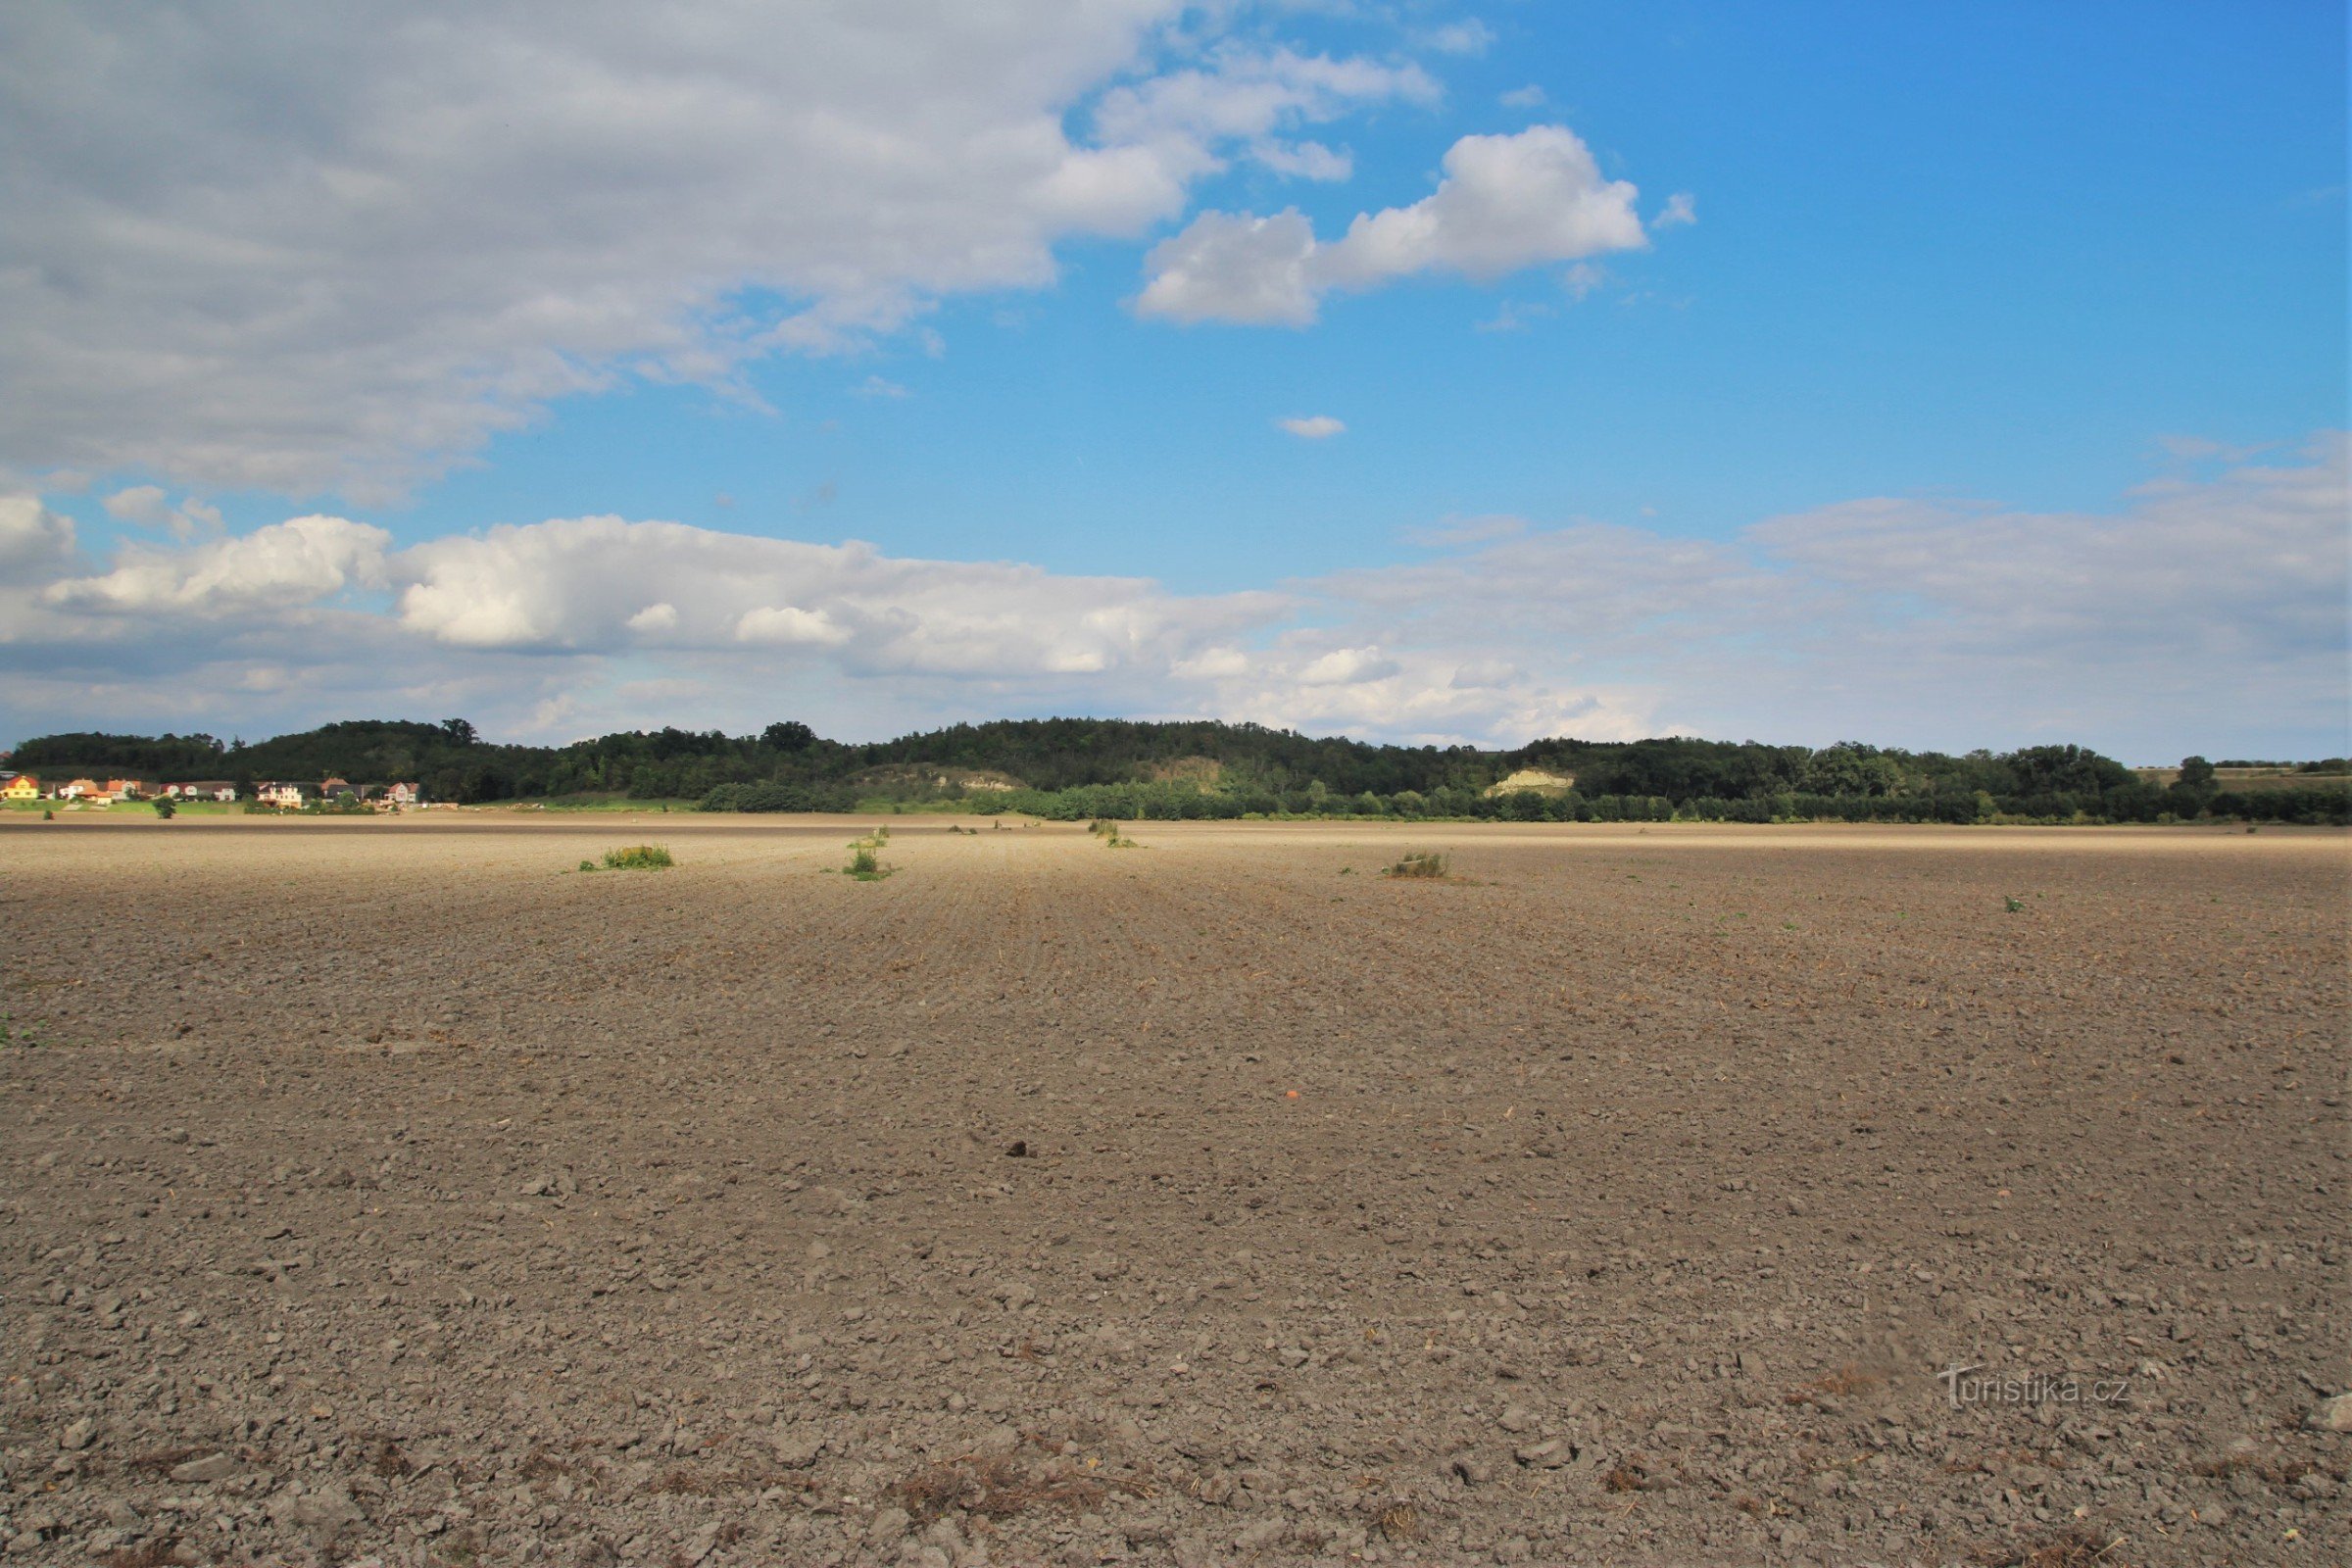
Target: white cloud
1304,160
1470,36
787,626
32,536
875,386
1245,96
1506,203
1530,96
577,585
284,566
1241,267
142,503
256,248
1313,426
1346,666
1214,664
147,505
2200,612
1680,207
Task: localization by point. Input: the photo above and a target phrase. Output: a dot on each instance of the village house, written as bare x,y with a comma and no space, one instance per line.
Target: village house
286,797
402,794
329,789
125,789
23,787
79,789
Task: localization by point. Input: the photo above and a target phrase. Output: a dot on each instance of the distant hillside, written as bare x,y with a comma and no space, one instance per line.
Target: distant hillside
1201,768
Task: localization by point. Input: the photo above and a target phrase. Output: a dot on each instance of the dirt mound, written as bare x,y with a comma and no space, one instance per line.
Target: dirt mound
1541,781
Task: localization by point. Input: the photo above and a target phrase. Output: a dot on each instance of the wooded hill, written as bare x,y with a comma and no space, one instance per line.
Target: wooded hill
1125,767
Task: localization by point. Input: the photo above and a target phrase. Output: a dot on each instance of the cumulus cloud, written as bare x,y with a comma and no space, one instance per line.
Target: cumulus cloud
2143,628
32,536
284,566
1680,207
581,585
1312,426
1228,266
1505,203
262,248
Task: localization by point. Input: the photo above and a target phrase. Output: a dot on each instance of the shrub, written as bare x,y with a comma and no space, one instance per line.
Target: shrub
1418,864
165,808
865,865
762,798
638,858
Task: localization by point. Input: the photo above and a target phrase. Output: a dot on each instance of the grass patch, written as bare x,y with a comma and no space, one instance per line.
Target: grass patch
2012,906
1107,830
635,857
1422,866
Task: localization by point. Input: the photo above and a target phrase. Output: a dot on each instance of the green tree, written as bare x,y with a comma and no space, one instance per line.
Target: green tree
789,736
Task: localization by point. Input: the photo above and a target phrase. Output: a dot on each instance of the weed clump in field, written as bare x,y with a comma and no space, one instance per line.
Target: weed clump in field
636,857
865,865
1107,830
2014,906
1419,864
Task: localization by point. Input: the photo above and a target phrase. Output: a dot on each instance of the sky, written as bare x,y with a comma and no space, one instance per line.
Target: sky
1937,377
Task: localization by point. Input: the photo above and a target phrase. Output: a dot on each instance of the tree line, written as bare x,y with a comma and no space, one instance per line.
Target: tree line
1078,768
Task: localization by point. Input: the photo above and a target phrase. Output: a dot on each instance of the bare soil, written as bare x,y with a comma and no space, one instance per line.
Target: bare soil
392,1189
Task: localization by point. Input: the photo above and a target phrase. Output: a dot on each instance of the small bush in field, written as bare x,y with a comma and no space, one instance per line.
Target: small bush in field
638,858
1417,865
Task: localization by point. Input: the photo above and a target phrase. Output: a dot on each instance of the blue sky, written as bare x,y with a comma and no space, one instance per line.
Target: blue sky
1910,393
